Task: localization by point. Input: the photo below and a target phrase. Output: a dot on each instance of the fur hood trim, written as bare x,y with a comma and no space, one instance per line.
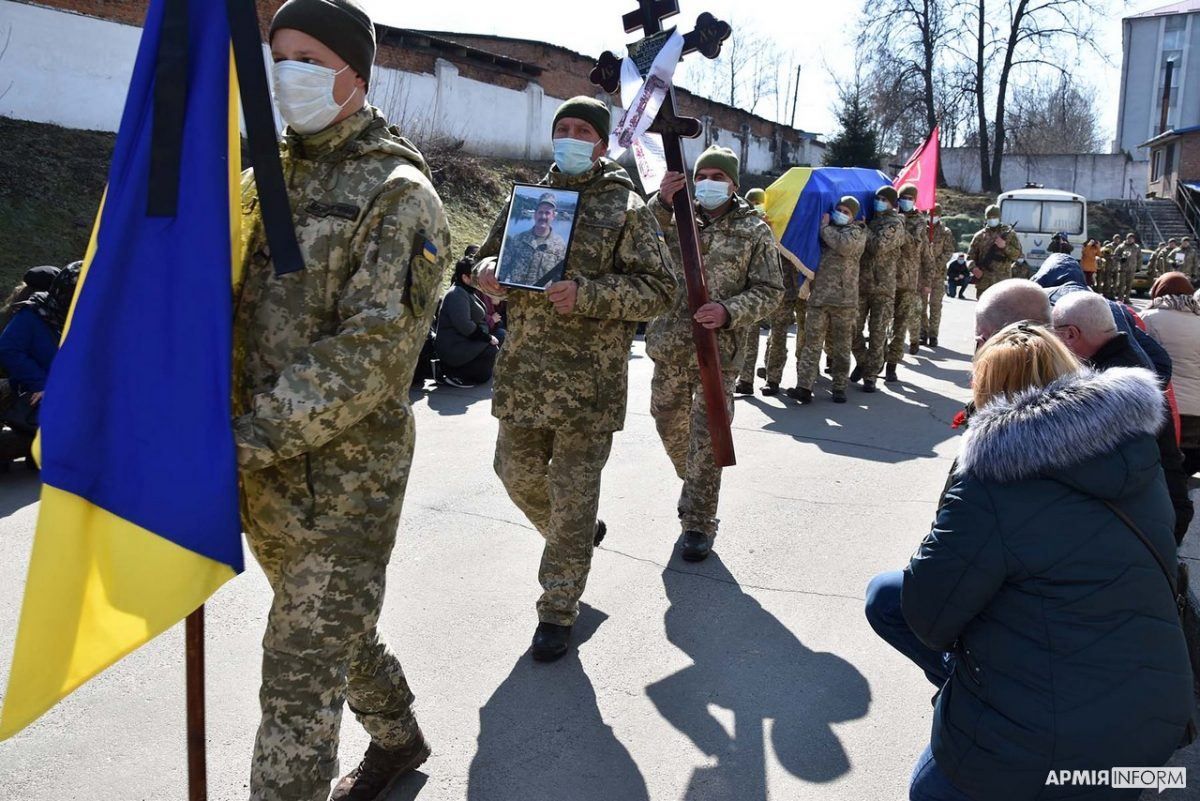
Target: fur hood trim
1074,419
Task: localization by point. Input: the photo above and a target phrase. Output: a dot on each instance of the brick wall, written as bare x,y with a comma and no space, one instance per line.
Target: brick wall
1189,157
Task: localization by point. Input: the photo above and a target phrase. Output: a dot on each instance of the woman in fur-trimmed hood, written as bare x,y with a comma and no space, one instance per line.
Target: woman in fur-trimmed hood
1067,652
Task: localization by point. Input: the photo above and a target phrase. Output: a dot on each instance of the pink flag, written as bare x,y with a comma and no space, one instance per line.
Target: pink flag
922,170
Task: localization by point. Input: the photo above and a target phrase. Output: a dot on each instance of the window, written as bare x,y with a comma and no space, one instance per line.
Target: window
1170,165
1043,216
1156,165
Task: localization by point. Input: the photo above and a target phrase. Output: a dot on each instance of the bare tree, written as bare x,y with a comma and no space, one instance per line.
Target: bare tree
746,73
1050,118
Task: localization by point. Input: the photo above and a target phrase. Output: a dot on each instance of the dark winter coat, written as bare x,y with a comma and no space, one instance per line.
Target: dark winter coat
27,347
462,329
1070,655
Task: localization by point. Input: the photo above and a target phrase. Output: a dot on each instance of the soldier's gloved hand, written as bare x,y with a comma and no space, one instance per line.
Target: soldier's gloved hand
672,183
563,295
712,315
1000,242
485,278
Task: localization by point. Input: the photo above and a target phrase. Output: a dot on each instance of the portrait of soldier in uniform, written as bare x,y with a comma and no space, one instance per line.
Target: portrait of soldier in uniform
535,256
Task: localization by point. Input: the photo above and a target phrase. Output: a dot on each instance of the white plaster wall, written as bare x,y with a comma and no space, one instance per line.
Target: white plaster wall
1095,176
63,68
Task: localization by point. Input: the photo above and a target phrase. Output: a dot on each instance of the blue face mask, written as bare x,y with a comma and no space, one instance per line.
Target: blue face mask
881,204
574,156
712,194
993,222
839,218
907,205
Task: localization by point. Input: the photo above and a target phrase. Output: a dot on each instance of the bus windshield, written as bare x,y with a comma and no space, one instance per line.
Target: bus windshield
1043,216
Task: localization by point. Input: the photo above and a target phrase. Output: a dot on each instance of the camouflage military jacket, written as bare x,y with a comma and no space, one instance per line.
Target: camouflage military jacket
324,356
742,271
981,246
915,255
886,236
1183,261
942,250
528,258
1105,262
571,371
842,247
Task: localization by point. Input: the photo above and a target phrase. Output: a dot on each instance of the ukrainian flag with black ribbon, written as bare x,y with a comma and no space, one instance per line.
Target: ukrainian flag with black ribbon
138,523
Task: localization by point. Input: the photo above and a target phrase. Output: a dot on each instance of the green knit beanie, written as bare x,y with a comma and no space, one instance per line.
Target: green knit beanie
341,25
756,197
888,193
992,211
850,202
588,109
723,159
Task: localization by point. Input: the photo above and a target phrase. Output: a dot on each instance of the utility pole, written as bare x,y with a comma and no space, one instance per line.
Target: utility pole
796,94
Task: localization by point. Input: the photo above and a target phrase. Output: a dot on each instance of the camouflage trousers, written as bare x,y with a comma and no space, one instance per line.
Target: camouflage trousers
931,307
990,278
828,328
777,338
749,352
1123,285
680,414
875,311
553,477
322,648
906,321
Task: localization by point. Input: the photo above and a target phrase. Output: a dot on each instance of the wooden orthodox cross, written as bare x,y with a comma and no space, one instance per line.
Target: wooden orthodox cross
706,39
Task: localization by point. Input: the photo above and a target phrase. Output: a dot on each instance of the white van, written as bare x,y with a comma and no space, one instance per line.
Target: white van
1038,214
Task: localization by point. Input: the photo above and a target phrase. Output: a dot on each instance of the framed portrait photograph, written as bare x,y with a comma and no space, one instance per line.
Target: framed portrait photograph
537,236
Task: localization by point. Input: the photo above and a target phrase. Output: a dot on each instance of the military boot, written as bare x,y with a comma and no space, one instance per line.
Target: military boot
933,342
695,546
868,385
801,394
924,338
913,347
839,396
743,388
601,530
549,642
761,372
856,374
379,771
772,388
889,375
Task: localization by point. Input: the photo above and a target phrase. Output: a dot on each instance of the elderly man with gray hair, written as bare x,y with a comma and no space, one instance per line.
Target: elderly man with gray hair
1085,324
1012,301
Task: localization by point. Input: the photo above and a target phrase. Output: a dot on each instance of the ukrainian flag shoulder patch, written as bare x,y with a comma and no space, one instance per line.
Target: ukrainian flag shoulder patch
429,251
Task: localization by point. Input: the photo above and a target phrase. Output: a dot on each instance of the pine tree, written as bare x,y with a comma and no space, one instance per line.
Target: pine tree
857,144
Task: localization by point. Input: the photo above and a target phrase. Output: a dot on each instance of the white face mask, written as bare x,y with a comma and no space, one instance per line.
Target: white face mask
304,93
712,194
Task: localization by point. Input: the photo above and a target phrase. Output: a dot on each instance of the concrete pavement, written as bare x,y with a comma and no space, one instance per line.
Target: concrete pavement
753,675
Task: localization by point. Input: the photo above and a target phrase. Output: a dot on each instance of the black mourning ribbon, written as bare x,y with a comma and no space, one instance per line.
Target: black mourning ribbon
260,130
170,110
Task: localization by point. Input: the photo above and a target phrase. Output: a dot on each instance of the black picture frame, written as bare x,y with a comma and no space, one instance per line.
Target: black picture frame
523,262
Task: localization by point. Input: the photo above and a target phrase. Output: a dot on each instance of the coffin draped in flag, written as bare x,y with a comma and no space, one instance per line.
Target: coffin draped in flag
798,199
138,522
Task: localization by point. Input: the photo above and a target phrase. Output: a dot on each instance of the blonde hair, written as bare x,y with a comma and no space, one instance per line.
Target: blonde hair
1019,356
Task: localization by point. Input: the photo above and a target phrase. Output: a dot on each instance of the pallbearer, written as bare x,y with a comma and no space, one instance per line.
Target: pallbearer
741,269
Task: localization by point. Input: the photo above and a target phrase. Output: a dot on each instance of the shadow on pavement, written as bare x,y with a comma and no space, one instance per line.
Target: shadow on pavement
447,400
18,488
541,736
747,663
408,788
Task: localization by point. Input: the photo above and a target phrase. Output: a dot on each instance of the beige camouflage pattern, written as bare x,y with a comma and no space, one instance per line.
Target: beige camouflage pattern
829,324
886,235
1184,261
743,273
561,381
748,352
914,261
933,279
1000,267
323,360
680,415
1105,266
1158,262
1129,260
777,349
528,258
553,477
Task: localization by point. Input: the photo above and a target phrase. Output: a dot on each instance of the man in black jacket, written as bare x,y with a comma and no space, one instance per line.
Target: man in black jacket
1084,322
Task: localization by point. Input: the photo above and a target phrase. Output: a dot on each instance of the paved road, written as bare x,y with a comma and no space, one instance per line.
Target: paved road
751,676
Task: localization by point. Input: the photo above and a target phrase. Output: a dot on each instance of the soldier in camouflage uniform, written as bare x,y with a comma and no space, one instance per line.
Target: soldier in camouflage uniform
1105,263
323,360
933,280
748,368
562,376
914,259
741,269
834,301
532,255
1129,259
886,236
1183,259
1158,260
994,248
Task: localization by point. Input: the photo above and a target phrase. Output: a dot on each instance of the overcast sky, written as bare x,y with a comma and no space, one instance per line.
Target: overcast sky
818,31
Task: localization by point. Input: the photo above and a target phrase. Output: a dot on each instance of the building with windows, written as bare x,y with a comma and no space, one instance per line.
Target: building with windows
1151,40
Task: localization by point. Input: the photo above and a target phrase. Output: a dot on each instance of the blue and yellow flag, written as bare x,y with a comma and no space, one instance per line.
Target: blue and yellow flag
138,522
